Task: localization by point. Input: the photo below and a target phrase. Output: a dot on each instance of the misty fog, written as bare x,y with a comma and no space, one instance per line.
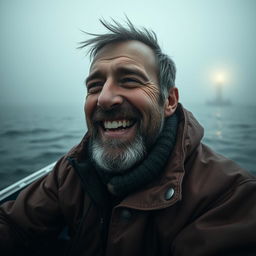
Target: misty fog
40,62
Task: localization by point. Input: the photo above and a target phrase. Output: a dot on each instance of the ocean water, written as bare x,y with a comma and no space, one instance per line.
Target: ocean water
32,137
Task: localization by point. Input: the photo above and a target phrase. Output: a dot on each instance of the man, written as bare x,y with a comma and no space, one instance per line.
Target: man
140,182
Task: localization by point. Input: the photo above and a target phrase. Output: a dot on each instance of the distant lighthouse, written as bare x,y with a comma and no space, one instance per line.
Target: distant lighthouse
219,100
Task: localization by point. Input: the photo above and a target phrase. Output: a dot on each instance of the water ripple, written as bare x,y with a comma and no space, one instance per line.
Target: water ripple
36,131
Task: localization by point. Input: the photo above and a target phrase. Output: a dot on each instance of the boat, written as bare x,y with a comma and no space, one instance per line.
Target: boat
12,191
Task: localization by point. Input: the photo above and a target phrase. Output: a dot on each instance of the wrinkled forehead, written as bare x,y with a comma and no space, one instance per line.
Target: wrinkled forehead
136,51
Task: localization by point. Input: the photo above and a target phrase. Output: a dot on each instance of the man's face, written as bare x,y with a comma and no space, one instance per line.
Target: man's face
122,107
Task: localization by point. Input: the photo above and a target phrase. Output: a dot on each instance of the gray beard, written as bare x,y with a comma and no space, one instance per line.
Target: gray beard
130,154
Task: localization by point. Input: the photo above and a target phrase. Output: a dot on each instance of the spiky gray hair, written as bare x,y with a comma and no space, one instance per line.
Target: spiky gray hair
118,32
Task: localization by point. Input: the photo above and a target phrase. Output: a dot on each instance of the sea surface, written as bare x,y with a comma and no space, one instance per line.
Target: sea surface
32,137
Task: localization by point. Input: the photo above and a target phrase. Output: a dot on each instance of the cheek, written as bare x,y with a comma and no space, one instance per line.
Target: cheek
147,103
151,92
90,104
147,99
153,112
89,107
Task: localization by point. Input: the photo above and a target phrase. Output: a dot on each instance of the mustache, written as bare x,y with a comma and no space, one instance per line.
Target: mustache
115,113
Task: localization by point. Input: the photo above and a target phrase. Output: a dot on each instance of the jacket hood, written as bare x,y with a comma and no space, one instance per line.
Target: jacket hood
191,130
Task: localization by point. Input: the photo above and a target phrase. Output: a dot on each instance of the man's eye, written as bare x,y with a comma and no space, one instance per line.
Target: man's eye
130,80
94,87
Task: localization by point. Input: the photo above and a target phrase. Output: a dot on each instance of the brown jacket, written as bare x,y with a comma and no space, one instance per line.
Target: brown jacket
202,204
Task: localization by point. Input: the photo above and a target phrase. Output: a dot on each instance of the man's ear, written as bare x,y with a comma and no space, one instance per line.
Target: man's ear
171,102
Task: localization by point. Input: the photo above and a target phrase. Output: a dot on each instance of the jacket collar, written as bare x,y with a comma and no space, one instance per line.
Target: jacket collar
167,189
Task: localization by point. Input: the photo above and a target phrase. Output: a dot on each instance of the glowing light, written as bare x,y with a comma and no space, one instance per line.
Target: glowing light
218,134
220,78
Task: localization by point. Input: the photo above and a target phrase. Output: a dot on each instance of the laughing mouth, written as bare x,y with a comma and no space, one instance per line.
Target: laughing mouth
117,124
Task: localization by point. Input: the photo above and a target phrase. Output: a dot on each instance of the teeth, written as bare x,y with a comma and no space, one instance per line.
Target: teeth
116,124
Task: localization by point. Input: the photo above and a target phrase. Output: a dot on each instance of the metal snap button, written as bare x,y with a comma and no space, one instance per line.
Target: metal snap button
169,193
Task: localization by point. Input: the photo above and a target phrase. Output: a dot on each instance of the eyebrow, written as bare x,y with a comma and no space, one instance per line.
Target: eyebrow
94,75
123,70
133,71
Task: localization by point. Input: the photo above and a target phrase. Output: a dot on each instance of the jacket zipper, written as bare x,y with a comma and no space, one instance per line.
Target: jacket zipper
76,240
104,233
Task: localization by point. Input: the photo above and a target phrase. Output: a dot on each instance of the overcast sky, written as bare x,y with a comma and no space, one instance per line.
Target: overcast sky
39,62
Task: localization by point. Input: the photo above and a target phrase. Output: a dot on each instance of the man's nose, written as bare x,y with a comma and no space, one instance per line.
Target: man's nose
109,96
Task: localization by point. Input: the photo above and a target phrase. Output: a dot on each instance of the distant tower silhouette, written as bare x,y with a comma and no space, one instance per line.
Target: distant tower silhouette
219,100
219,97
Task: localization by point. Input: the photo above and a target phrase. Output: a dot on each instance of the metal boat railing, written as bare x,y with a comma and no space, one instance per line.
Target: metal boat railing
19,185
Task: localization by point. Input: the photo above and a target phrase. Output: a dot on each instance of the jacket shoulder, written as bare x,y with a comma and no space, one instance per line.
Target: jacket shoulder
211,177
218,202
